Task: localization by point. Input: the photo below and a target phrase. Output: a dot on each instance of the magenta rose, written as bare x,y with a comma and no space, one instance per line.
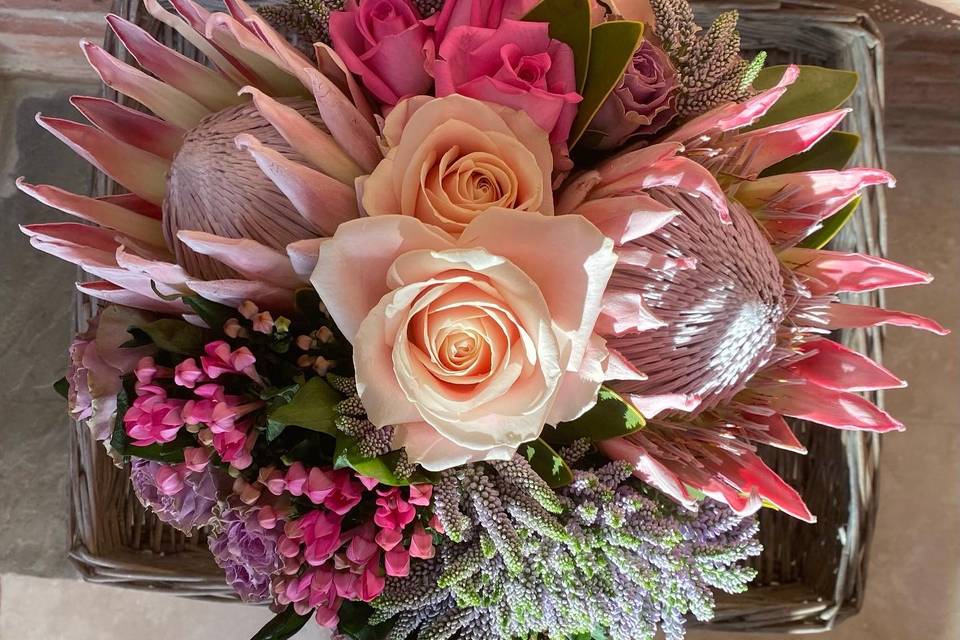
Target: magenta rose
642,104
479,13
386,44
517,65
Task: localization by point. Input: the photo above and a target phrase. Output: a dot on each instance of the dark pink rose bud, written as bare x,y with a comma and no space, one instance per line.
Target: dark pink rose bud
643,104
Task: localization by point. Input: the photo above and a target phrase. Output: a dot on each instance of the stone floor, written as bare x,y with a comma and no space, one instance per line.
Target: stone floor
914,584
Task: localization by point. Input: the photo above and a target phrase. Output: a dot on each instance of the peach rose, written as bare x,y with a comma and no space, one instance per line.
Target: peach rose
449,159
469,345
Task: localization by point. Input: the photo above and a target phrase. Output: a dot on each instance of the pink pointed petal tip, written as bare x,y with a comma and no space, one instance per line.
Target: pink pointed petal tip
838,409
833,366
836,272
852,316
648,469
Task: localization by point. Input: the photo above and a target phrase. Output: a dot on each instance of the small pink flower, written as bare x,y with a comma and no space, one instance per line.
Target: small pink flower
263,323
420,494
221,360
187,374
296,478
248,309
322,366
146,370
421,543
153,419
346,494
168,480
372,582
272,479
362,548
327,615
196,458
397,562
319,485
436,525
235,446
304,343
393,512
267,517
389,538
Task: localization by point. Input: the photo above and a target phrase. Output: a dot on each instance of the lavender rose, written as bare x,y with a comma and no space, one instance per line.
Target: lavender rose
247,552
643,104
182,498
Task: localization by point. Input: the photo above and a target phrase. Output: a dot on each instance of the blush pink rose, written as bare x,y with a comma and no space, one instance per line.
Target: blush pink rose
386,44
469,345
517,65
447,160
479,13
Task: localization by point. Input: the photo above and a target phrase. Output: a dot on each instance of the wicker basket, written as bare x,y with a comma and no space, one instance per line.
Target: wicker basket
810,576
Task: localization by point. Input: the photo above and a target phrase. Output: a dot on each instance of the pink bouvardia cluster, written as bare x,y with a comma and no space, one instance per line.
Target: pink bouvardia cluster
477,49
325,562
201,403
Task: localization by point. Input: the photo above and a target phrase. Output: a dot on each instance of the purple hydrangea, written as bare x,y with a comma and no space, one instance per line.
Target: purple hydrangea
247,552
182,498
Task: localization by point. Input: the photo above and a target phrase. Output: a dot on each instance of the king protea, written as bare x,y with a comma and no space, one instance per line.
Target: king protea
241,166
717,323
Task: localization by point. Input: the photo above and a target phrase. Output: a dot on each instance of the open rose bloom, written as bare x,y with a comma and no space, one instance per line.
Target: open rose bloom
469,345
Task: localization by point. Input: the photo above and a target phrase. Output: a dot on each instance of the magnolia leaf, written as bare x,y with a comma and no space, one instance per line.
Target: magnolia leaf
830,227
832,152
816,90
175,336
312,407
569,22
283,626
612,45
611,417
347,456
62,387
547,463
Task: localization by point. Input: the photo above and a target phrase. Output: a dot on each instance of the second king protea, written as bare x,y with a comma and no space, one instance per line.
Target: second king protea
719,322
240,167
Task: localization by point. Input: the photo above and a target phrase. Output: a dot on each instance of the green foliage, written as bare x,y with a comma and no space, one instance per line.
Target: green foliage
175,336
611,417
348,455
816,90
612,45
354,617
569,22
283,626
62,387
212,313
832,152
547,463
831,226
311,407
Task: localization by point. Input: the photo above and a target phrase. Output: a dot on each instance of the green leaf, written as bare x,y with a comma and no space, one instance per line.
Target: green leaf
283,626
118,439
611,417
832,152
62,387
569,22
175,336
816,90
612,45
169,452
831,226
547,463
347,456
214,314
353,622
312,407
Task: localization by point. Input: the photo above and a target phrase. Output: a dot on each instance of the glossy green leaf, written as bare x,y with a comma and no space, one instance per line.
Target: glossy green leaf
816,90
611,417
831,226
547,463
283,626
569,22
175,336
312,407
168,452
347,456
354,617
62,387
612,45
832,152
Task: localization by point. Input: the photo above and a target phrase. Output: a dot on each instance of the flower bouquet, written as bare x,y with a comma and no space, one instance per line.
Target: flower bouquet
466,319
